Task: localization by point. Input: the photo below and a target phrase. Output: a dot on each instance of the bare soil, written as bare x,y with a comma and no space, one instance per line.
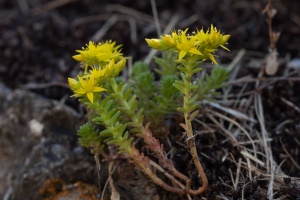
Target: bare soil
248,140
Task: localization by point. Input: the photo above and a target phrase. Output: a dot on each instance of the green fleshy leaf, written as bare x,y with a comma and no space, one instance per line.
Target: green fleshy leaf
194,115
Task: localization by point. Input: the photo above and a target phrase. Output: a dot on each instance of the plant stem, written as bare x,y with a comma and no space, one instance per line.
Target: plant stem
144,164
189,131
144,132
154,145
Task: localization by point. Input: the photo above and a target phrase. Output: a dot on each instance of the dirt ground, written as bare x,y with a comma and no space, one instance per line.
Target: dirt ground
248,139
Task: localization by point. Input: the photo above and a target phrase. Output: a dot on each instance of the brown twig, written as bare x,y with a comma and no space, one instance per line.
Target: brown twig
271,79
272,63
50,6
155,16
290,157
131,12
271,12
289,103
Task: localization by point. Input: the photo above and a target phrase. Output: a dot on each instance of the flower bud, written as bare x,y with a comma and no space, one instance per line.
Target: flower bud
78,57
154,43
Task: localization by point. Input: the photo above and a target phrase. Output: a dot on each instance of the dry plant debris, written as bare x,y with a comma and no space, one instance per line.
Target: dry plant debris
249,137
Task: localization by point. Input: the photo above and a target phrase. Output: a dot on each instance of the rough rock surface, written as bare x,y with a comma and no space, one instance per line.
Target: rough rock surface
38,142
40,157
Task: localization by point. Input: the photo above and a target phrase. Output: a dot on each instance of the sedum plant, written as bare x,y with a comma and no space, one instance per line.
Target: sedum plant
126,109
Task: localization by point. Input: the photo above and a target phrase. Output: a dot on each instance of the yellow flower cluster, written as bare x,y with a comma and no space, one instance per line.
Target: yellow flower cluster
200,45
102,61
101,53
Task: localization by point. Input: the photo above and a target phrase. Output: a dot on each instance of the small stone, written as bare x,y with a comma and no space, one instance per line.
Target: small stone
36,128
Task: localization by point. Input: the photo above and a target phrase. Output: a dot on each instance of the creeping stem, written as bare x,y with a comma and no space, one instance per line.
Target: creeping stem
144,132
144,164
188,126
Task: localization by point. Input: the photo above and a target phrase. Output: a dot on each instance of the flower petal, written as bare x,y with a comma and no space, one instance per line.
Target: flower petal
82,82
80,91
90,96
78,57
226,38
195,51
224,48
99,89
212,58
181,54
72,82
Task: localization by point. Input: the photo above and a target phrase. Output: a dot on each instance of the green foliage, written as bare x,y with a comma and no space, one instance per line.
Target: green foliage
208,87
89,137
127,103
167,88
115,129
168,64
157,98
107,112
186,86
138,68
143,84
168,99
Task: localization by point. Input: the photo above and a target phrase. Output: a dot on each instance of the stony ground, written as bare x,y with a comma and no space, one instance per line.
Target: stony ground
249,139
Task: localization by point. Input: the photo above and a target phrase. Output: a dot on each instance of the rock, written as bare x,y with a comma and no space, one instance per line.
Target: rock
132,184
40,157
38,142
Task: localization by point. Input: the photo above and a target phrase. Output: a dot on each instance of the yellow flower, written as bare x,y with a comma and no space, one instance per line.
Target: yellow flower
185,45
85,86
99,54
178,42
97,73
88,54
108,51
154,43
170,42
200,45
212,38
78,57
112,69
120,65
209,41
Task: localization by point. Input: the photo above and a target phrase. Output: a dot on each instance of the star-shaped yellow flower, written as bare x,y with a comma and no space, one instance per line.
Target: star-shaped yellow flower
88,54
200,44
85,86
186,44
99,54
108,51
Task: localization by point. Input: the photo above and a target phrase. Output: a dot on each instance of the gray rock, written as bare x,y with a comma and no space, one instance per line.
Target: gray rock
38,142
